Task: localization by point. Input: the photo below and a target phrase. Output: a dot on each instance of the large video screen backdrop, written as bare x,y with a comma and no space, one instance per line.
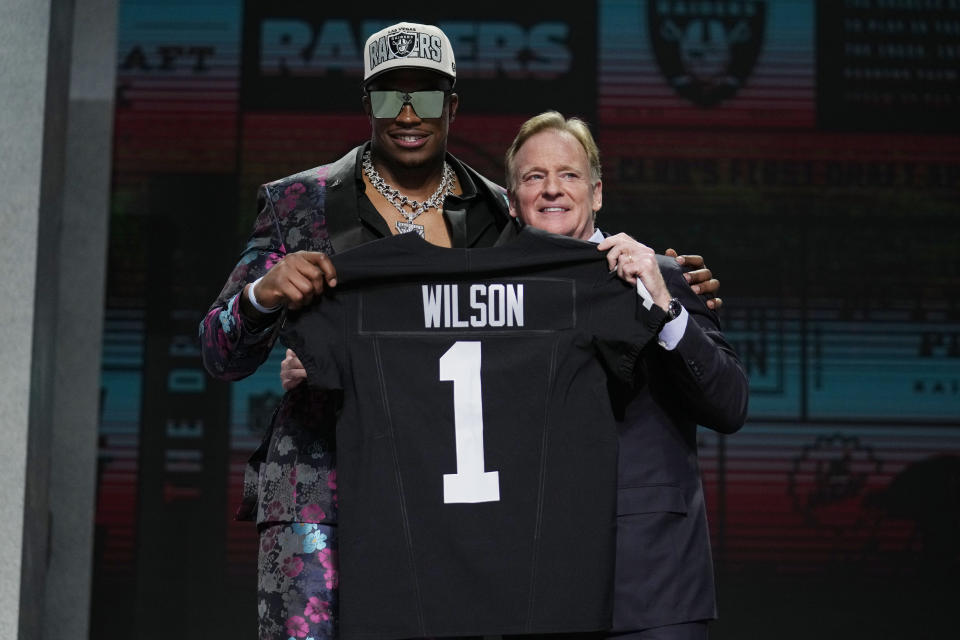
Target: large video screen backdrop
810,150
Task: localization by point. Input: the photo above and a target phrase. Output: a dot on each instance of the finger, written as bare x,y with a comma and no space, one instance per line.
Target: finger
709,287
670,253
290,362
293,379
715,303
691,261
314,257
613,252
295,372
627,270
699,275
614,256
645,268
319,269
628,266
606,243
613,261
306,265
297,289
323,262
618,239
289,280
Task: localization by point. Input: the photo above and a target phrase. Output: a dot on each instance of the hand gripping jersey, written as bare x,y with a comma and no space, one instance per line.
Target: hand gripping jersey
476,446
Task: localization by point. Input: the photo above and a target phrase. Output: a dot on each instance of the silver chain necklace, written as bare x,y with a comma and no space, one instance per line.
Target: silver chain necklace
399,200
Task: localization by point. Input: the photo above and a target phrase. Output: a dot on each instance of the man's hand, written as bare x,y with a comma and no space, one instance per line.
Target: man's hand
700,278
632,260
295,280
292,372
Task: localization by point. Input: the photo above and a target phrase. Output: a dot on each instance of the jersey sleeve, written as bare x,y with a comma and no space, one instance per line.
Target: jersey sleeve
317,335
622,326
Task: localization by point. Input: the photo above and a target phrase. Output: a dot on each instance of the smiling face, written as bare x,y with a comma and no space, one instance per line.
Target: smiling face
553,187
408,141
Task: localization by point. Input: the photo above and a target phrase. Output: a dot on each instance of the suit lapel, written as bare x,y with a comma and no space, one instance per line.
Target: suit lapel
345,220
457,219
473,227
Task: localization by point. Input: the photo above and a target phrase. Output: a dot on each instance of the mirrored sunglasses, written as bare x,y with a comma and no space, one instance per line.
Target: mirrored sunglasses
388,104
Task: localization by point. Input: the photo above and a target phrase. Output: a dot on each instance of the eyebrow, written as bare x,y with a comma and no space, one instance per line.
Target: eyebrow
540,168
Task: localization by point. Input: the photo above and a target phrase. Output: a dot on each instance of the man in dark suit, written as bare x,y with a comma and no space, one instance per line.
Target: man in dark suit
664,585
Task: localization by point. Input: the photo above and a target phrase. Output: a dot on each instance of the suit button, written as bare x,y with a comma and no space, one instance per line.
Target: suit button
695,367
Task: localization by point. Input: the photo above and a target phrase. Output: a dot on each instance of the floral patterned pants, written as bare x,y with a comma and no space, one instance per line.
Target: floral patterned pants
297,580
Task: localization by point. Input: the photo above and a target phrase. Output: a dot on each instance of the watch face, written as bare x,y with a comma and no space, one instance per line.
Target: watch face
673,309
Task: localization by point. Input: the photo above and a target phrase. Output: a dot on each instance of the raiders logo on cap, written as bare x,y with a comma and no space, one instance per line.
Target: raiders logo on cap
408,45
402,43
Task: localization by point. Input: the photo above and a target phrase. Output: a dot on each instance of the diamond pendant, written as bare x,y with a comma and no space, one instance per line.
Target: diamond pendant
409,227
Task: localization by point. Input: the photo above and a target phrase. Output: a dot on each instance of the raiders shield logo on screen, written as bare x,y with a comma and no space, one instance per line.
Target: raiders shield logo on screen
706,50
831,480
401,43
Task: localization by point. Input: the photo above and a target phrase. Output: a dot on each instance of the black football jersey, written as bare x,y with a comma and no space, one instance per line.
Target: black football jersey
477,451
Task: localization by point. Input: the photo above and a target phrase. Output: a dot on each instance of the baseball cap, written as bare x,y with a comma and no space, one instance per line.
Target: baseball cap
408,45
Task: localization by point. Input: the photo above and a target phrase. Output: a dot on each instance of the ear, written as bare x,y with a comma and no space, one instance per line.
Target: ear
597,197
365,101
454,104
512,202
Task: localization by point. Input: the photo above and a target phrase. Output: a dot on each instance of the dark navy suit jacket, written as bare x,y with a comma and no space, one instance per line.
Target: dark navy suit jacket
664,569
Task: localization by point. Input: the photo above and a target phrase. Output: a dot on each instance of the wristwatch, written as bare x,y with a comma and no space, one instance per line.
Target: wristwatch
673,309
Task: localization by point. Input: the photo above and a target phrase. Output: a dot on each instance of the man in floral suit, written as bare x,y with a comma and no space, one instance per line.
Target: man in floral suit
290,484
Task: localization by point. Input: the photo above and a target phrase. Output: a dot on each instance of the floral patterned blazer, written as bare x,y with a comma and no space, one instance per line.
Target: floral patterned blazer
292,475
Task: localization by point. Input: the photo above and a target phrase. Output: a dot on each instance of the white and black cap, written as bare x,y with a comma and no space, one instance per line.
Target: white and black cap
407,45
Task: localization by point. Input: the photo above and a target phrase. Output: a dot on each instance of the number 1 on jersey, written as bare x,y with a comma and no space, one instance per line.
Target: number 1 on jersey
461,365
